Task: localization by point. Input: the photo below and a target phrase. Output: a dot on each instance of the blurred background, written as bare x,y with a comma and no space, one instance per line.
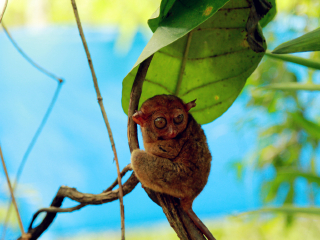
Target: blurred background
263,136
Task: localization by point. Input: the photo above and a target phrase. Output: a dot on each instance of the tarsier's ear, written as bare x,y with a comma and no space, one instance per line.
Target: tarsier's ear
138,118
190,105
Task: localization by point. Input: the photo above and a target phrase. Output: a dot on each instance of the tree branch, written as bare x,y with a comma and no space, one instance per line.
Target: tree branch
134,103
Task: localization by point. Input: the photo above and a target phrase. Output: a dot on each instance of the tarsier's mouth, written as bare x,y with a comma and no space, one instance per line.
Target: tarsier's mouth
162,149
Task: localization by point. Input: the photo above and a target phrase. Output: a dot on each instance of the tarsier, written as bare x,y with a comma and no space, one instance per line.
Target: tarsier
176,160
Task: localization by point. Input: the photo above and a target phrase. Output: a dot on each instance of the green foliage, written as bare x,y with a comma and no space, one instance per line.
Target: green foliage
210,64
307,42
291,130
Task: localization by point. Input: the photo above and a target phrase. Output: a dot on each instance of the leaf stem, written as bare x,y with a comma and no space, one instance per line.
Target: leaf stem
294,59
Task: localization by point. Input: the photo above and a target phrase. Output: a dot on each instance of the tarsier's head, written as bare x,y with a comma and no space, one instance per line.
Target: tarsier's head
165,116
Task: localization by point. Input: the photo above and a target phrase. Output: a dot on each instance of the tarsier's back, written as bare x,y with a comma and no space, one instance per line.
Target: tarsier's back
176,160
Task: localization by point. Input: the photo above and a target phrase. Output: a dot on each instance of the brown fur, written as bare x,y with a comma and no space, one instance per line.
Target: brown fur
178,166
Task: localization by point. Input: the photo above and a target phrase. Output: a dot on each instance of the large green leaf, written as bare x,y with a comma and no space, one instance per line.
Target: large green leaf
306,43
197,56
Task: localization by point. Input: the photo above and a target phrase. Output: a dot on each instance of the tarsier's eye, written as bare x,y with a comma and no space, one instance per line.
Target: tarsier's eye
160,122
179,119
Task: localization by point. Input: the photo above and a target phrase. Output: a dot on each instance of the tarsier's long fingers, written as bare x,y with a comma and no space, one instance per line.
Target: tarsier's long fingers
200,225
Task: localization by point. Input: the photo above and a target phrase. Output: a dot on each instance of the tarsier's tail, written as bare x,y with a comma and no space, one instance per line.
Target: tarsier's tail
200,224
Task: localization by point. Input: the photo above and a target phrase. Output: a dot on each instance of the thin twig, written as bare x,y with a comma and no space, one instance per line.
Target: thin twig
56,210
3,10
123,172
104,114
11,193
26,155
33,63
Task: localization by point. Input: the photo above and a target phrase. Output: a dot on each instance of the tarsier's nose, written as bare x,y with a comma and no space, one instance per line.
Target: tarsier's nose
172,133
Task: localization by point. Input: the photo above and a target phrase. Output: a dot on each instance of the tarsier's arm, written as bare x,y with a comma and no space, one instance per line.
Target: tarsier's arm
157,173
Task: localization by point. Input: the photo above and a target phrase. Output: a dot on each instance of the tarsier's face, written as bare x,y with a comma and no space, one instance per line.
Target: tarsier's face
164,115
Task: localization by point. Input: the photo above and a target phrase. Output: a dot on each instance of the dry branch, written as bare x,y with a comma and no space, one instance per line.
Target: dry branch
83,198
104,114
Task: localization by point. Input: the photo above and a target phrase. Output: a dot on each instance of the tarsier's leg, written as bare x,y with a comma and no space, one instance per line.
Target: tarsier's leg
156,173
163,175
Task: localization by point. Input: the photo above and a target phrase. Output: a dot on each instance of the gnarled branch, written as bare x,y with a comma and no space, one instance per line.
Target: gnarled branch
83,198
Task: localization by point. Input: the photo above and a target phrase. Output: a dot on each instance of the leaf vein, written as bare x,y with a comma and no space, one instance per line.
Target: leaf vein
158,84
219,55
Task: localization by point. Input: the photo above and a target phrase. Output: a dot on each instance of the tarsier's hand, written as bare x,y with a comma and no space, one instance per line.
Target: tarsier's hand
165,148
